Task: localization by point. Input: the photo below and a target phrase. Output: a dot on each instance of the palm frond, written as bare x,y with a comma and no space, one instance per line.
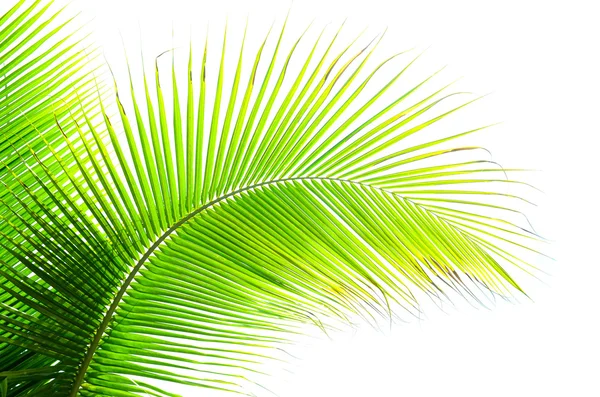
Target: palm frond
189,250
46,62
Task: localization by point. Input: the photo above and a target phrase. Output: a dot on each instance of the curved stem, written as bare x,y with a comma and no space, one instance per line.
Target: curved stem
113,307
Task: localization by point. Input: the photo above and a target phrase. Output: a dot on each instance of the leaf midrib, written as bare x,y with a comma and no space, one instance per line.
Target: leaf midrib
115,303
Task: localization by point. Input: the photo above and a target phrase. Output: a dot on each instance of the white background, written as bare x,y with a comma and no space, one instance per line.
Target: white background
540,61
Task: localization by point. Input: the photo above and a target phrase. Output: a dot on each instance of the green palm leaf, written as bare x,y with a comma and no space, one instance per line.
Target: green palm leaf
46,64
170,247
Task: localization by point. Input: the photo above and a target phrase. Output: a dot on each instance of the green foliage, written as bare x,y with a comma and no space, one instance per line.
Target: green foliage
164,245
45,62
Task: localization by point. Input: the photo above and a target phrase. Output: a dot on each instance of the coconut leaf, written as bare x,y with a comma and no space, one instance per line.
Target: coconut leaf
181,241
